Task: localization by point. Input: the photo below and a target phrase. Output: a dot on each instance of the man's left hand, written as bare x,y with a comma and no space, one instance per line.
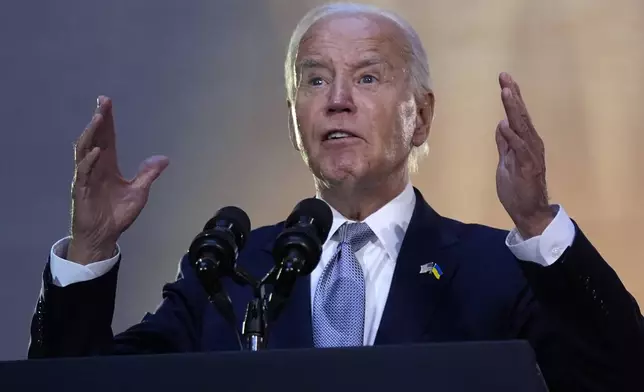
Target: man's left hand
521,173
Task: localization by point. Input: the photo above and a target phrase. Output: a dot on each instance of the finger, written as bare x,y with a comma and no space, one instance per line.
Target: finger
514,142
102,102
507,81
85,166
513,112
105,138
501,143
85,141
149,171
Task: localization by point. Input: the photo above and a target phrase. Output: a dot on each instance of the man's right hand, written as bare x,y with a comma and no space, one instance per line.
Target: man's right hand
104,204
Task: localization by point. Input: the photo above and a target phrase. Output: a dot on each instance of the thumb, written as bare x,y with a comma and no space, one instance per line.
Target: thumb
150,170
501,143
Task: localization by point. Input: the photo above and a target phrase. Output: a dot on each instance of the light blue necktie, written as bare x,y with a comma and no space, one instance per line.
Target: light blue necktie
339,302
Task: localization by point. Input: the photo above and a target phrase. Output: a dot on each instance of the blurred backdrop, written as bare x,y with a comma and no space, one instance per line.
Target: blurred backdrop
201,82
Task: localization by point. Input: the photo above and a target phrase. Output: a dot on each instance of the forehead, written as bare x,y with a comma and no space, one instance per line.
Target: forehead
351,36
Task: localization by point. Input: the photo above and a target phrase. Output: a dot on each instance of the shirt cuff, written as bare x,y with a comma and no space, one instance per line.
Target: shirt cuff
544,249
65,272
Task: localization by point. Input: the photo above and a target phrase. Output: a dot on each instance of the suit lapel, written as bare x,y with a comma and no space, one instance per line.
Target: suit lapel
293,329
413,296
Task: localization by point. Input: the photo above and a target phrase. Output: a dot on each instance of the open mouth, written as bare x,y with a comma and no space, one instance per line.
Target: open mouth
338,134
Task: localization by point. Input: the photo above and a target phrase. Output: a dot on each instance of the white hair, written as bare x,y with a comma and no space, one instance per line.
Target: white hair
416,55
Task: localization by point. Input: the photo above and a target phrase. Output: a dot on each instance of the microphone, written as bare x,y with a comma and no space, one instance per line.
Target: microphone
213,254
214,251
297,249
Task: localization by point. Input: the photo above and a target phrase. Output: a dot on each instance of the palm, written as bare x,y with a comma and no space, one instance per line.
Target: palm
505,186
114,201
126,204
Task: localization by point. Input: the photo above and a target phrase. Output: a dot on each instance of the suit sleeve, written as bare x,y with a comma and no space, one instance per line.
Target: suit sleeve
76,320
586,328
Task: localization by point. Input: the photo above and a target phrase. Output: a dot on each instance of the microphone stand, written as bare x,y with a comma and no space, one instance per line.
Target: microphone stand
264,308
253,332
254,326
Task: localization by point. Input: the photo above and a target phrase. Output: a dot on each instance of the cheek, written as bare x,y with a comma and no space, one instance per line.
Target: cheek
406,122
406,115
303,118
398,124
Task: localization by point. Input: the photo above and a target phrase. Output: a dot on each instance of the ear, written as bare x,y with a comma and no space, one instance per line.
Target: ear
291,125
424,118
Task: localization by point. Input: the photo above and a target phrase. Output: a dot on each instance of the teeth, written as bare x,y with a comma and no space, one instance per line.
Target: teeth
338,135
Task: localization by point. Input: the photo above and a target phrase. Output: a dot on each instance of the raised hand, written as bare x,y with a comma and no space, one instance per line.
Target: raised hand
104,204
521,173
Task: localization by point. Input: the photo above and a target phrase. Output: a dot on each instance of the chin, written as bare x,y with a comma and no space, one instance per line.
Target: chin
340,171
338,166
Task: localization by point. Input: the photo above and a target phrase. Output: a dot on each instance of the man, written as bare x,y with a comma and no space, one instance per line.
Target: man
361,106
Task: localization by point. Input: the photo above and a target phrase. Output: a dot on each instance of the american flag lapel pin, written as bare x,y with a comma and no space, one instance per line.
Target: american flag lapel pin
432,268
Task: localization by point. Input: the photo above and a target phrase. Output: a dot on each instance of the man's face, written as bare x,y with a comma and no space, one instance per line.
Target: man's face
355,116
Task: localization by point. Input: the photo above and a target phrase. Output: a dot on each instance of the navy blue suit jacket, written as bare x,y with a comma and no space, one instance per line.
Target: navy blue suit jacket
586,329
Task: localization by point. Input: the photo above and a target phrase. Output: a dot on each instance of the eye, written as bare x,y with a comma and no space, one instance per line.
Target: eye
316,81
368,79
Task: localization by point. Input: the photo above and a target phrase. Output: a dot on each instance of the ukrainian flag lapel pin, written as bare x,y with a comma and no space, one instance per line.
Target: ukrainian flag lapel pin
432,268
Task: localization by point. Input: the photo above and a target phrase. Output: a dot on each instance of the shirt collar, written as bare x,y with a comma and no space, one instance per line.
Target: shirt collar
389,223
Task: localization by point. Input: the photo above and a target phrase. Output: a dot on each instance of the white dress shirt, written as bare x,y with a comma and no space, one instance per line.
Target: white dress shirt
377,258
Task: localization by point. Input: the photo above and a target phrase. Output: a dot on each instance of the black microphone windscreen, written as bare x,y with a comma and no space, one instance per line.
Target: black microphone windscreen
236,215
315,210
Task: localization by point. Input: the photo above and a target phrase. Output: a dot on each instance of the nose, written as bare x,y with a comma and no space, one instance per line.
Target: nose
340,98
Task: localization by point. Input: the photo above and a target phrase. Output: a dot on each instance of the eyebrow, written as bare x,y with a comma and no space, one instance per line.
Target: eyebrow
367,62
311,63
376,60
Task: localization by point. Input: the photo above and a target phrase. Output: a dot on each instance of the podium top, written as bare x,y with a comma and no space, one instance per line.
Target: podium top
468,366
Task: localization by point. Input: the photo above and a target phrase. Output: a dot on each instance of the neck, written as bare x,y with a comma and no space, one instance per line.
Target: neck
356,200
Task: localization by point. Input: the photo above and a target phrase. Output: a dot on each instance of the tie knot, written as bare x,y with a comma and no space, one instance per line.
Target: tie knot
355,234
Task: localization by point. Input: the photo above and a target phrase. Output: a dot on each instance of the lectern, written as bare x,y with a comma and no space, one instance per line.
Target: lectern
468,366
